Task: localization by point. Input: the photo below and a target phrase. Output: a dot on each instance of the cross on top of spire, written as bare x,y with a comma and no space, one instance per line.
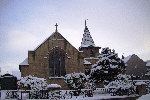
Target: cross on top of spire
56,27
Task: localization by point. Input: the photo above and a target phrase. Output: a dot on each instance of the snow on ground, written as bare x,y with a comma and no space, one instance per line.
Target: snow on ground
96,96
144,97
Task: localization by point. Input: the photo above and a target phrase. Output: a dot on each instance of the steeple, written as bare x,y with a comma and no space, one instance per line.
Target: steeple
87,39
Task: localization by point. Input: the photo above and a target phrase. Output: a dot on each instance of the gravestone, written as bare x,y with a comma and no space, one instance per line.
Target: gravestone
8,82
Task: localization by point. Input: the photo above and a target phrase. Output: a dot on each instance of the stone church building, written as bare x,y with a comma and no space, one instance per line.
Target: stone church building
56,57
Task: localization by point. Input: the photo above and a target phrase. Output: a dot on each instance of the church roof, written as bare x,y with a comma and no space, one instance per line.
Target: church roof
127,58
87,38
25,62
43,42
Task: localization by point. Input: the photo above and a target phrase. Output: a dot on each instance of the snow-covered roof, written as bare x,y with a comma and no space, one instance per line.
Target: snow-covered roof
25,62
87,39
80,51
85,45
147,74
91,58
86,62
126,58
148,64
139,83
53,85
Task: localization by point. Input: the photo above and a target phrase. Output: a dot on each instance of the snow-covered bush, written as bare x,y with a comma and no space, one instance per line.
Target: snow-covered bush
107,68
122,85
34,84
75,81
88,85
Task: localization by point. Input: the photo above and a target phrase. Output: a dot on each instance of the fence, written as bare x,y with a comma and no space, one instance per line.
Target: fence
57,94
43,94
101,90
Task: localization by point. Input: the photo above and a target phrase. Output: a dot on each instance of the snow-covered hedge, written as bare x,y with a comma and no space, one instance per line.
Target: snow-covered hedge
32,83
122,84
75,81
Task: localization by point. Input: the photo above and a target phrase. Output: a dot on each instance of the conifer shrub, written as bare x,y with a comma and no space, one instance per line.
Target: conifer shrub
76,81
107,68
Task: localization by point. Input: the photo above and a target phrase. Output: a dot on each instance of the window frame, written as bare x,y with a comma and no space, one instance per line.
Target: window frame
57,54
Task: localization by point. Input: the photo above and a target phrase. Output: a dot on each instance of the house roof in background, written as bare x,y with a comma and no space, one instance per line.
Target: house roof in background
127,58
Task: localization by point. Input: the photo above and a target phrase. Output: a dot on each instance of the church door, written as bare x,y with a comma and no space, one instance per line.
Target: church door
57,63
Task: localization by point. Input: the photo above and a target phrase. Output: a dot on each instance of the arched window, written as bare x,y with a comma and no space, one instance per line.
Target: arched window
57,63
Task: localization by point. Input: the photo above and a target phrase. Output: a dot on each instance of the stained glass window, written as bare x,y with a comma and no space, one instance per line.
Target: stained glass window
57,63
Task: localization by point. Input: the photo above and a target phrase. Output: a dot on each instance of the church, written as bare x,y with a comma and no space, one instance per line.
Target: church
55,57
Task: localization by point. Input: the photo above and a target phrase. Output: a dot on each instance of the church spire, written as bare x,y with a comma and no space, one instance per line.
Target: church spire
87,39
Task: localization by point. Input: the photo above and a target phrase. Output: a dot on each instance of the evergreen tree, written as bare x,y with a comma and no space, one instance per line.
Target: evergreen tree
107,68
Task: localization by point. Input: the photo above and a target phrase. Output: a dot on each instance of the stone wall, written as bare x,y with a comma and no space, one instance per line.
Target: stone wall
24,70
141,89
38,59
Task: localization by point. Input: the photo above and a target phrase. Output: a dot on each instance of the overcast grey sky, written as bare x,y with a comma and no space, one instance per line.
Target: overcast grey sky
123,25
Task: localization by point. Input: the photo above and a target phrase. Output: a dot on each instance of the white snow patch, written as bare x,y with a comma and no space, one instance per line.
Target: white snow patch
87,39
86,62
80,51
148,64
53,85
144,97
25,62
91,58
56,77
68,57
147,74
139,83
105,71
126,58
